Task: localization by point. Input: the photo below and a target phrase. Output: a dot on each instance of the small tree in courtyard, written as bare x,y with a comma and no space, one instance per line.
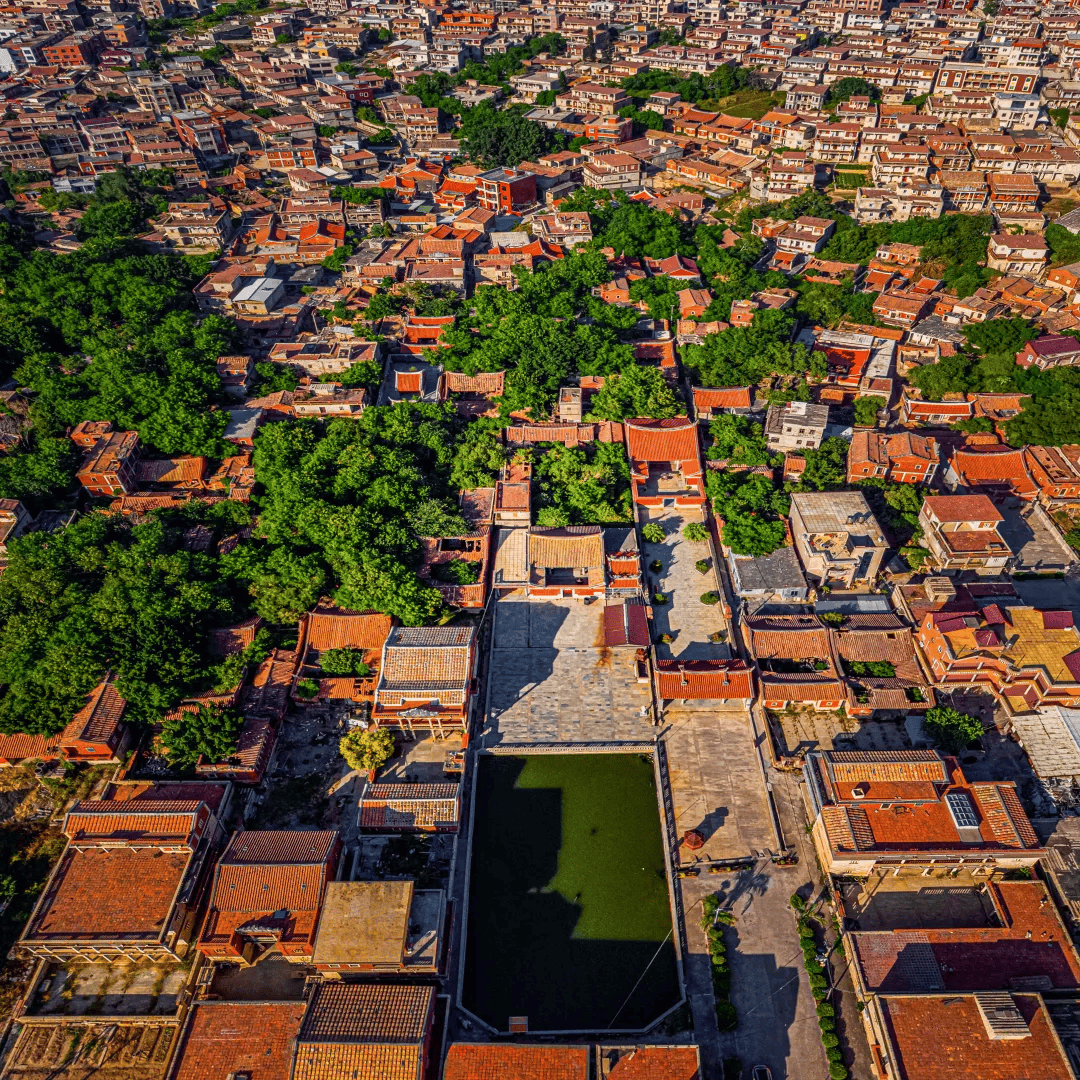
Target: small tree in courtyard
343,662
367,750
210,732
951,730
653,532
695,532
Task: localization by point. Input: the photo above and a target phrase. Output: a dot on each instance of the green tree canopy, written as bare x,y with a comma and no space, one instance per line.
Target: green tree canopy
209,732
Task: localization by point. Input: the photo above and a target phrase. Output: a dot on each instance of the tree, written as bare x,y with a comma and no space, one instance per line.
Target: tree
843,89
695,532
343,662
209,732
366,751
653,532
826,467
335,261
636,391
755,536
866,411
1064,245
495,137
738,440
951,730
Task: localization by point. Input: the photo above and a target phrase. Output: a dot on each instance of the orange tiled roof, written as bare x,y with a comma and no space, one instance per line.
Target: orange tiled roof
99,718
229,1037
657,1063
331,627
704,679
495,1061
662,441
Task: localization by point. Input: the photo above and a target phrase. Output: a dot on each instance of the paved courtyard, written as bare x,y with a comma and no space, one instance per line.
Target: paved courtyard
716,786
684,616
1036,545
553,681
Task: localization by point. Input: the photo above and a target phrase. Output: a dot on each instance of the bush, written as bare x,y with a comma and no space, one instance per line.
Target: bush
307,688
710,598
797,902
696,533
826,1024
702,566
343,662
727,1019
659,598
653,532
819,993
834,1053
838,1071
366,750
826,1009
829,1039
818,981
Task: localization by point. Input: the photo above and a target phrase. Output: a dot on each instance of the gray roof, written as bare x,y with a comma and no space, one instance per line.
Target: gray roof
770,573
1070,221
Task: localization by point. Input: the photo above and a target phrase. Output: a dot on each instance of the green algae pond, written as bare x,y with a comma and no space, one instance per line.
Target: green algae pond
569,917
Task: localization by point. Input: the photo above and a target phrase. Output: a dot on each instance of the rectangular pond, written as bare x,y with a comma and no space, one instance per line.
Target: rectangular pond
569,915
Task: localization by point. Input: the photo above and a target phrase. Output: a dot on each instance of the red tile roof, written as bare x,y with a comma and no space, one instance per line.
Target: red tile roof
723,397
994,467
225,1037
20,746
949,508
662,441
109,894
657,1063
1031,942
331,627
507,1061
99,718
936,1035
366,1013
704,680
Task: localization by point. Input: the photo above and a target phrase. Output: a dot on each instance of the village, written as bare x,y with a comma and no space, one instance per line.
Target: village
539,540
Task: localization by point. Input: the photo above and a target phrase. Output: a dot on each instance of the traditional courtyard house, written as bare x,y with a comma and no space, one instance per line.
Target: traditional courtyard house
705,684
127,885
352,1028
993,471
1056,469
329,627
710,402
873,809
961,533
1024,656
267,894
877,656
913,410
903,458
665,462
380,928
426,678
795,662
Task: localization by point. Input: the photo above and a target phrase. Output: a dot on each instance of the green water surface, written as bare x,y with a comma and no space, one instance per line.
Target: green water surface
569,900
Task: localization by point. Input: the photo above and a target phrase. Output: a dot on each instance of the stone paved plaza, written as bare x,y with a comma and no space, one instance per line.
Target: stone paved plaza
553,681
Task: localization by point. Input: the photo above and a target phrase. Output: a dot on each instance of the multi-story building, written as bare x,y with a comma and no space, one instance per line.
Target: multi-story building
961,533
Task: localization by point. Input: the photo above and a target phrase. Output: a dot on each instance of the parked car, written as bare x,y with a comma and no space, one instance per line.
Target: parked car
762,1072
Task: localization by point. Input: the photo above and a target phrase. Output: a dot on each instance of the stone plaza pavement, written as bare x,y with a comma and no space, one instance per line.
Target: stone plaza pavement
553,681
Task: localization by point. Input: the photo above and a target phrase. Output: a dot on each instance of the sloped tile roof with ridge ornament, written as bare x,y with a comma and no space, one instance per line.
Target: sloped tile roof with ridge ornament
662,441
571,546
435,656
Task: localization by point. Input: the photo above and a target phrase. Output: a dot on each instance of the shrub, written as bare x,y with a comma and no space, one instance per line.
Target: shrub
819,981
838,1071
659,598
307,688
343,662
797,902
702,566
710,598
834,1053
653,532
696,533
826,1024
826,1009
829,1039
819,993
727,1018
366,750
